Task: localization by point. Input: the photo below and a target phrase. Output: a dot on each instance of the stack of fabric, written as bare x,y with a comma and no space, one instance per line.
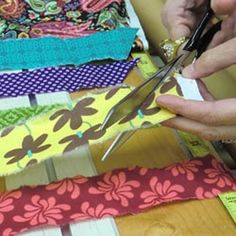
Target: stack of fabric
46,47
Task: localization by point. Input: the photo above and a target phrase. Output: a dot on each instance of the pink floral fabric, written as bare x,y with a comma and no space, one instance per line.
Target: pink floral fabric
120,192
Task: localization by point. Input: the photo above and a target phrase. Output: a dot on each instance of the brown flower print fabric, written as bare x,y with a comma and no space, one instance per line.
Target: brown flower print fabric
29,147
80,138
144,110
74,115
172,83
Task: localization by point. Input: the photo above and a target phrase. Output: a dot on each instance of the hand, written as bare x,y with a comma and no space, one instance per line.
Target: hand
211,120
180,18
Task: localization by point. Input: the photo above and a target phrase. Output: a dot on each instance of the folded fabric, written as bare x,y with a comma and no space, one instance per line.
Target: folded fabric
62,130
22,114
116,193
64,79
71,18
49,51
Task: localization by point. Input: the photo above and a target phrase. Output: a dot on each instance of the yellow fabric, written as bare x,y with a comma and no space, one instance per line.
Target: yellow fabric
42,137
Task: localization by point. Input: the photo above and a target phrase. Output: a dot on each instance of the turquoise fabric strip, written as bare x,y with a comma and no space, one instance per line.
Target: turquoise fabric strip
50,51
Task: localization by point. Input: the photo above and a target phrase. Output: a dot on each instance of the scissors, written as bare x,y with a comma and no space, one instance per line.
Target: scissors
135,99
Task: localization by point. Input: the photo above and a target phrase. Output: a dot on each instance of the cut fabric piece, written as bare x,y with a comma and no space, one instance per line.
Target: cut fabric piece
20,115
116,193
76,124
64,79
49,51
73,18
65,19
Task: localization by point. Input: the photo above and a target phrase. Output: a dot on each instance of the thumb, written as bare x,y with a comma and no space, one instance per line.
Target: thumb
223,6
212,60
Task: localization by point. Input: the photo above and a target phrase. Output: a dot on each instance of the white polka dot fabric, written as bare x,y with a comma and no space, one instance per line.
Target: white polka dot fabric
69,79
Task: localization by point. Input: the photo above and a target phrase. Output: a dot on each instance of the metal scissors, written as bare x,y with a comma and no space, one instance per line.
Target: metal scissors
135,99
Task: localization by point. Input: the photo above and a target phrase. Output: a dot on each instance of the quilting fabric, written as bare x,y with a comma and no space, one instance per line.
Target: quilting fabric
64,79
116,193
63,18
22,114
50,51
63,130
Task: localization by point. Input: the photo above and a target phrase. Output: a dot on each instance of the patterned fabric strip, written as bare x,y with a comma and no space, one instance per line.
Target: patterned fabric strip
76,124
49,51
22,114
62,18
120,192
64,79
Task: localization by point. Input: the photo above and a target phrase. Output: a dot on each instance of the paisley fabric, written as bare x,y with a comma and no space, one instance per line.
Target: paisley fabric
116,193
51,51
61,18
76,124
69,79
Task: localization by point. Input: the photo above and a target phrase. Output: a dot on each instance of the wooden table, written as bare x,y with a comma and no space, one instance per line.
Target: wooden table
156,147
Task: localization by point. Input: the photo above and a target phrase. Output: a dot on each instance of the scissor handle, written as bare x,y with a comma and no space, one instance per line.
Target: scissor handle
192,43
207,38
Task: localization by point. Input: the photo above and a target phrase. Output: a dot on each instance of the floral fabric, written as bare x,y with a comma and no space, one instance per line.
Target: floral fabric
116,193
73,125
51,51
61,18
69,79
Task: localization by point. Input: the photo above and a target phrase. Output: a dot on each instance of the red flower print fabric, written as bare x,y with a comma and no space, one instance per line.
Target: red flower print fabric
116,193
42,211
116,187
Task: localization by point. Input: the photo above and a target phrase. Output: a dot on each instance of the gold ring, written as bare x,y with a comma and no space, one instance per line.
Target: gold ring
170,47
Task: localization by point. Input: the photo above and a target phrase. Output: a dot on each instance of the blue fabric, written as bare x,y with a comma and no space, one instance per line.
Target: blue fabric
50,51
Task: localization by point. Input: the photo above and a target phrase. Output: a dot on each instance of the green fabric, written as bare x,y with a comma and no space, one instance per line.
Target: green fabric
19,115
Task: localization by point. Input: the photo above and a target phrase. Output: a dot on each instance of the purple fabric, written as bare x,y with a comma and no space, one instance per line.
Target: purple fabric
64,79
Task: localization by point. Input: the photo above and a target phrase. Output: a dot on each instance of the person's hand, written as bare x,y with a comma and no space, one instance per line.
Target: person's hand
181,17
211,120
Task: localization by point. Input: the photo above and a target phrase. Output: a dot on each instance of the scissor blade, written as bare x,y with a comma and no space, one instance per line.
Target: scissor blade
126,105
117,143
133,101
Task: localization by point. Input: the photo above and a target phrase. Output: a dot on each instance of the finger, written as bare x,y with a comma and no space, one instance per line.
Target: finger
223,7
212,60
220,37
227,31
221,112
204,91
206,132
178,18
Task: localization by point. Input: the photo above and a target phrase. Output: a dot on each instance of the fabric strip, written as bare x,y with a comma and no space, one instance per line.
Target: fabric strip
116,193
70,18
49,51
64,19
67,79
76,124
22,114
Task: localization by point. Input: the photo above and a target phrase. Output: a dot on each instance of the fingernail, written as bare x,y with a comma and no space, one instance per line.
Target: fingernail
162,100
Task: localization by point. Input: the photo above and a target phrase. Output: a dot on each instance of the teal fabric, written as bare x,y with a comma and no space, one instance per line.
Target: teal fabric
50,51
